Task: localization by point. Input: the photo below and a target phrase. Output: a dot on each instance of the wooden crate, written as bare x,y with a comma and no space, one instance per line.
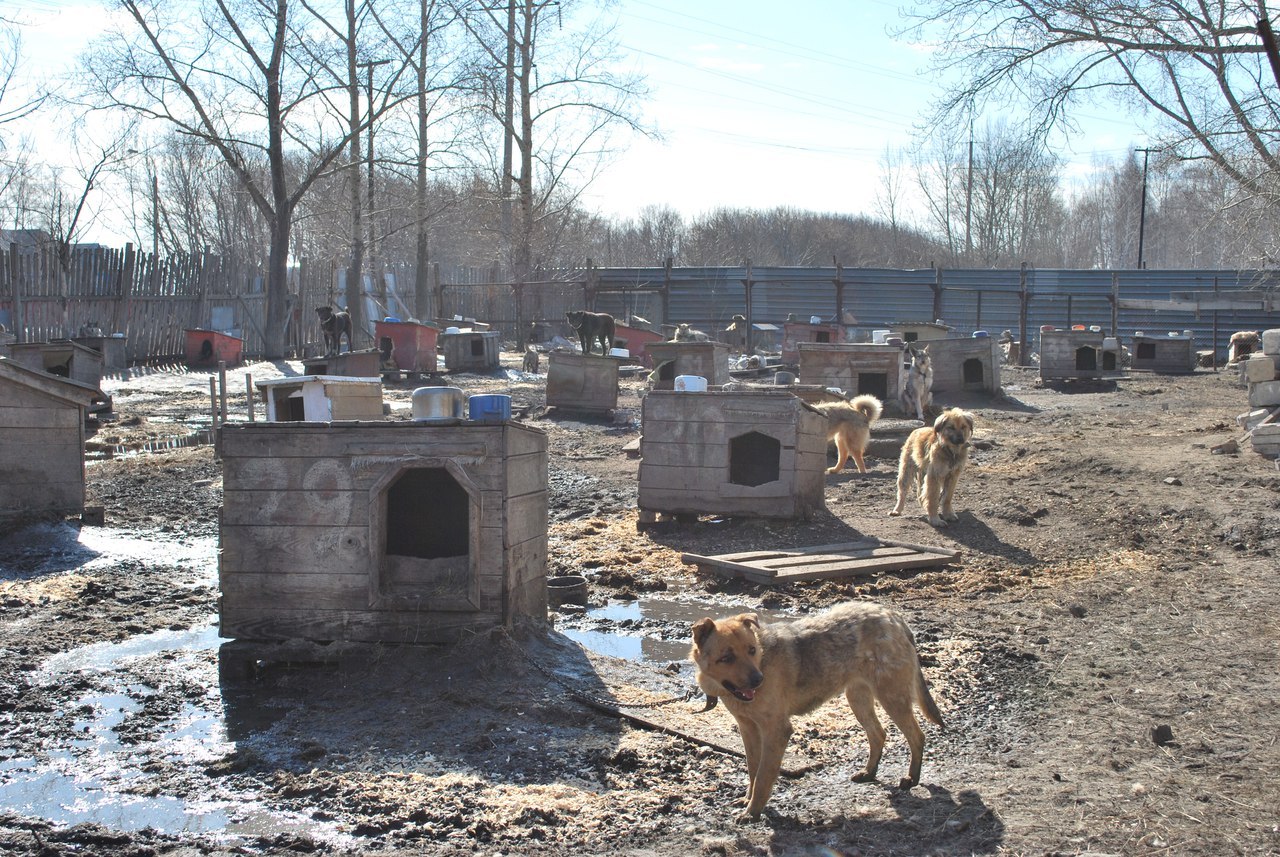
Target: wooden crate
797,333
756,454
41,443
470,351
1067,355
61,357
398,532
1166,354
969,365
854,367
581,382
205,348
709,360
322,398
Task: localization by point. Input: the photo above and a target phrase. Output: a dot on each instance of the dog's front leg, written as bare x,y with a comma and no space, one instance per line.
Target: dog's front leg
931,497
773,744
948,493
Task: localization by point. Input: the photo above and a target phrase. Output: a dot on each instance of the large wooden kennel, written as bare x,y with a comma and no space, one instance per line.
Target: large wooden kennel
396,532
582,382
796,333
965,365
708,360
855,367
1168,354
470,350
1067,355
755,453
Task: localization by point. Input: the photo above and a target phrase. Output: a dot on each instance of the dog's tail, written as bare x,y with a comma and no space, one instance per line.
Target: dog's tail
927,705
869,406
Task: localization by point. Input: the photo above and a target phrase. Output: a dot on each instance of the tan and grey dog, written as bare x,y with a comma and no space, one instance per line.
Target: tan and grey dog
849,425
917,389
932,460
768,674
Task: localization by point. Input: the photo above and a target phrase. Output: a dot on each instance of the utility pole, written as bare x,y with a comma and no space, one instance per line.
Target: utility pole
369,66
1142,212
968,198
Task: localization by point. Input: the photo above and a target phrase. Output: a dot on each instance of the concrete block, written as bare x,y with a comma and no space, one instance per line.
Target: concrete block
1249,419
1260,367
1271,341
1265,394
1266,439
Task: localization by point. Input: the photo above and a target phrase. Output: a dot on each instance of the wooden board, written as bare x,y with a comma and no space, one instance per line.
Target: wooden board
821,562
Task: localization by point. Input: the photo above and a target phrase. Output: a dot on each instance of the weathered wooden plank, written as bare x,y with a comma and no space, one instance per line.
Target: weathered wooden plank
328,590
526,517
390,626
663,475
391,439
324,549
807,564
317,507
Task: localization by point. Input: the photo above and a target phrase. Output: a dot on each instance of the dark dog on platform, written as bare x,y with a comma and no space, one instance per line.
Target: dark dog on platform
334,325
768,674
592,327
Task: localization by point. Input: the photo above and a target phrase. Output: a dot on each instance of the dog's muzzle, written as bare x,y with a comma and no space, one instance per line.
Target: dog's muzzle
746,694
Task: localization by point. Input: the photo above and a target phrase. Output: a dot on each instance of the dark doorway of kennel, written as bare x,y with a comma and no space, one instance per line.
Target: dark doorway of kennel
822,336
754,459
477,346
429,524
1108,361
874,384
974,374
1146,351
290,405
1086,358
667,371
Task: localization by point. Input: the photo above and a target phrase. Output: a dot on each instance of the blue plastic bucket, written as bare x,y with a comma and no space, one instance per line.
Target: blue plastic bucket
489,408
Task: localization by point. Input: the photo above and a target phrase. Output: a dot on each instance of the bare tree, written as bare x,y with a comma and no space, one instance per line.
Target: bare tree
1199,69
257,80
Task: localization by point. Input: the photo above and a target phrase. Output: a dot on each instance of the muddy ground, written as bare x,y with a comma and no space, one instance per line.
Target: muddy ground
1104,651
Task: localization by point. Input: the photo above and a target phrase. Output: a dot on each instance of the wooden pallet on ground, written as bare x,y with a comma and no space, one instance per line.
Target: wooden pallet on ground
822,562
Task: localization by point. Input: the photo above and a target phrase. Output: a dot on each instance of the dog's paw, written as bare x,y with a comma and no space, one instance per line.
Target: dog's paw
895,513
950,516
907,783
831,470
864,777
937,522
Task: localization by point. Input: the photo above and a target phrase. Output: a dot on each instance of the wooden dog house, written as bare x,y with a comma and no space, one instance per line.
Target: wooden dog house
797,333
322,398
397,532
709,360
1168,354
920,331
582,382
114,350
857,368
366,363
41,443
754,453
1067,355
206,348
636,341
61,357
470,350
966,365
413,345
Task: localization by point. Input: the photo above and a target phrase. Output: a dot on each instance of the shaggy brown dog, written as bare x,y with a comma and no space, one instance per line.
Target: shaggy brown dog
849,425
531,360
768,674
917,390
932,460
1242,344
592,327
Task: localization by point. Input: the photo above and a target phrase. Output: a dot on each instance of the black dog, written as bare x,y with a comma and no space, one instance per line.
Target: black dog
592,327
334,325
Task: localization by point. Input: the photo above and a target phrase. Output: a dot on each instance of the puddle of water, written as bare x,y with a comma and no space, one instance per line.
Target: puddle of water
49,548
91,777
203,437
624,629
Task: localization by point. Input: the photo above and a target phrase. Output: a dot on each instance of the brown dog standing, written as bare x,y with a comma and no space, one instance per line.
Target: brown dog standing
768,674
849,425
932,460
592,327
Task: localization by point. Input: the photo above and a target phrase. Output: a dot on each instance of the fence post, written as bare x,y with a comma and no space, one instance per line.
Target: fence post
666,291
1024,301
937,294
15,280
1115,304
437,289
126,287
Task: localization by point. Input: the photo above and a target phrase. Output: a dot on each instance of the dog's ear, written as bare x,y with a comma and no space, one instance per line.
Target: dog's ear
702,629
968,418
751,620
941,420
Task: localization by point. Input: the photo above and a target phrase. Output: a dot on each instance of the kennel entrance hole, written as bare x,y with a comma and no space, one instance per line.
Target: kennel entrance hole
874,383
428,515
754,459
973,373
1086,358
1146,351
822,336
1109,361
290,406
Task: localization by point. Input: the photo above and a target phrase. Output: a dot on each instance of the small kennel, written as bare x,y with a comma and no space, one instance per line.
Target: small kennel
394,532
636,341
61,357
470,350
708,360
857,368
920,331
412,345
350,364
754,453
114,350
966,365
206,348
321,398
796,333
1067,355
1167,354
579,382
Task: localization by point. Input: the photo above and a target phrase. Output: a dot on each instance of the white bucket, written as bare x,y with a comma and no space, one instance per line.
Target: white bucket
453,330
815,319
879,336
691,384
619,352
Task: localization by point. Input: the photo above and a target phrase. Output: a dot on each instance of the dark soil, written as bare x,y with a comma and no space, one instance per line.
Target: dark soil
1104,651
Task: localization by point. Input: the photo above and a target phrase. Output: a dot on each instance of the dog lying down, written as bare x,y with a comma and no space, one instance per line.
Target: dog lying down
766,674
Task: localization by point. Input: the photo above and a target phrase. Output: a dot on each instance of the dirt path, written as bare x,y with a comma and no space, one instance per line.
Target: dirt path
1115,579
